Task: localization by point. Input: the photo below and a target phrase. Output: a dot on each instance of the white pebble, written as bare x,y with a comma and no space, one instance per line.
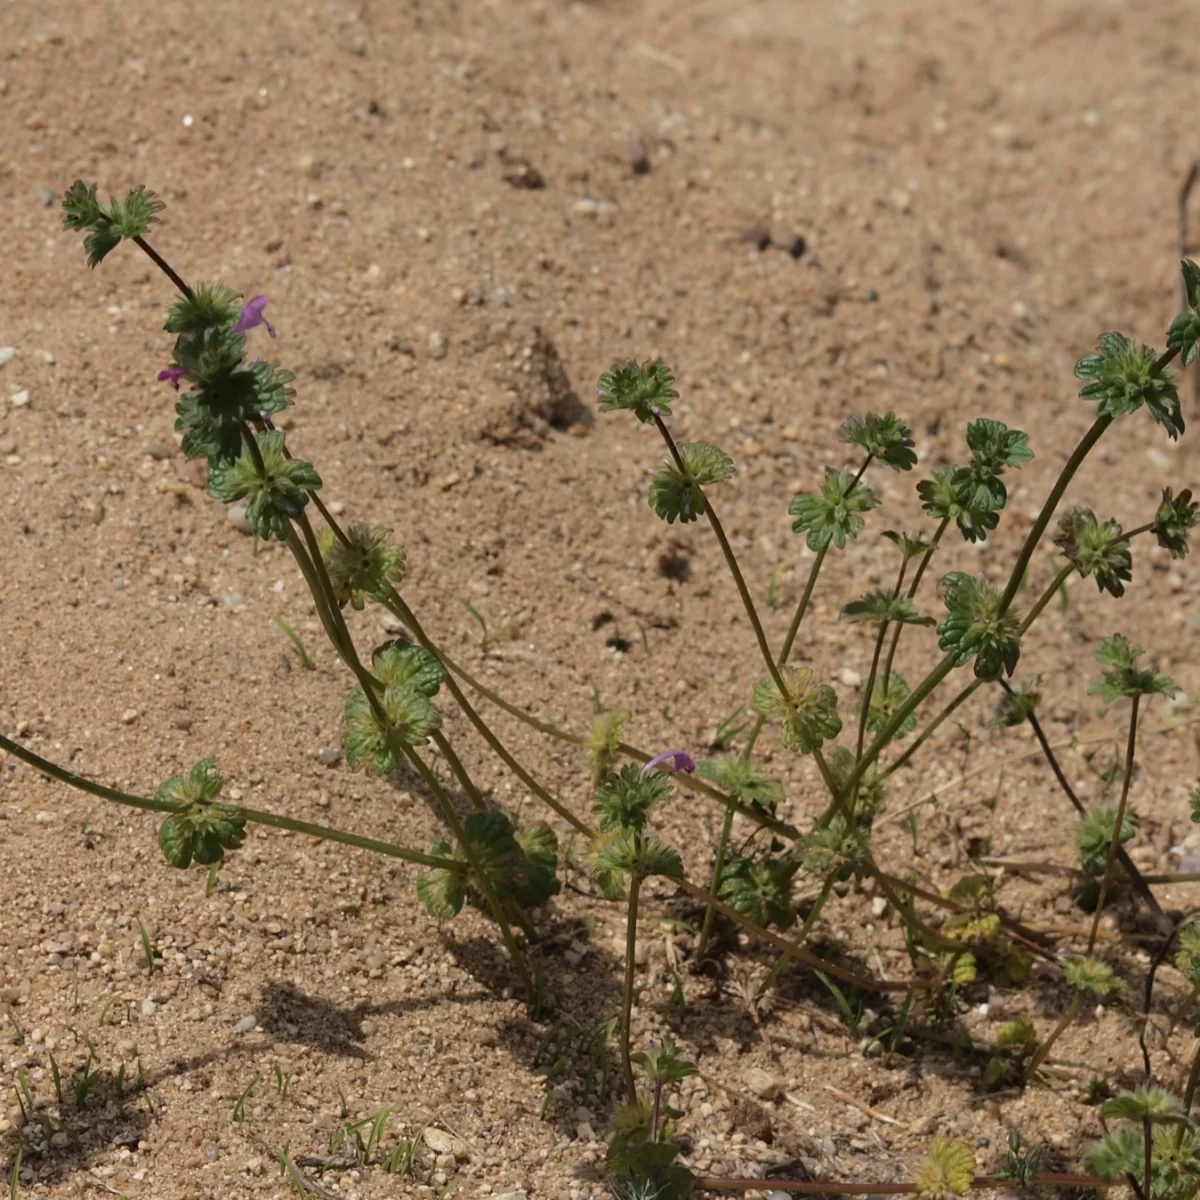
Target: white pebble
246,1024
129,716
437,345
19,399
149,1008
238,519
7,354
850,677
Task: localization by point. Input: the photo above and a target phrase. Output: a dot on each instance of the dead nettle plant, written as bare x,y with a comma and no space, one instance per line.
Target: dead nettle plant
392,716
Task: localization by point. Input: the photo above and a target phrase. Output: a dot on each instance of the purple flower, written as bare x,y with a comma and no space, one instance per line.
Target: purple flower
681,760
173,375
252,315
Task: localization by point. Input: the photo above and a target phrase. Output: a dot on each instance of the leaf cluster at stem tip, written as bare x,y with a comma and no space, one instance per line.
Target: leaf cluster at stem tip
1122,378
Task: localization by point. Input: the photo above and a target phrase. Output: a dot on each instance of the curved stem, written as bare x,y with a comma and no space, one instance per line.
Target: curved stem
932,727
714,886
635,884
1036,611
813,913
912,591
254,816
1043,1050
869,689
1115,840
802,607
1088,441
162,264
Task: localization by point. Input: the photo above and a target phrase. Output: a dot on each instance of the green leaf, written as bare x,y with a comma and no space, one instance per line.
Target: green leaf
869,793
611,856
1093,835
761,890
1089,975
839,847
1187,957
203,830
410,718
994,446
1015,707
100,242
1156,1105
362,568
948,1170
603,743
400,664
1123,380
1016,1035
278,492
910,545
624,801
677,495
1185,329
656,859
647,390
883,606
744,779
808,713
832,515
1120,1154
885,705
956,494
885,438
975,627
502,860
108,224
664,1063
443,890
1123,677
81,210
1174,521
1095,549
210,306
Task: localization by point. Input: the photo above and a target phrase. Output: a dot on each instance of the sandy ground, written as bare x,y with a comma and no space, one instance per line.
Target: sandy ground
462,215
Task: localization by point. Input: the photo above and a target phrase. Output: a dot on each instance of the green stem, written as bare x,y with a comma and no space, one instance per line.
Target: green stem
731,562
397,605
477,872
1036,611
802,608
912,591
1115,840
714,887
922,691
932,727
162,264
460,772
1043,1050
1072,465
813,913
253,815
332,632
635,883
866,697
1192,1080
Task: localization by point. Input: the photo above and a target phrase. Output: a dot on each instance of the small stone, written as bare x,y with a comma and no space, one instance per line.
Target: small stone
878,906
900,200
182,721
1004,133
47,356
246,1024
127,1049
236,513
19,399
639,159
589,206
850,677
129,716
441,1142
149,1008
356,46
328,756
796,245
158,450
763,1084
47,196
437,345
7,354
759,236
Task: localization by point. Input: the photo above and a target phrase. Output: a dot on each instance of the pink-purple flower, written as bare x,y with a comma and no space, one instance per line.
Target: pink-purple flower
680,760
173,375
252,315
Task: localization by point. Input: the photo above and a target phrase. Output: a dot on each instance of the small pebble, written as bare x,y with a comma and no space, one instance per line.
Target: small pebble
796,245
158,450
639,159
238,519
149,1008
850,677
47,196
900,200
7,354
129,716
441,1142
759,236
763,1084
246,1024
19,399
328,756
182,720
437,345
